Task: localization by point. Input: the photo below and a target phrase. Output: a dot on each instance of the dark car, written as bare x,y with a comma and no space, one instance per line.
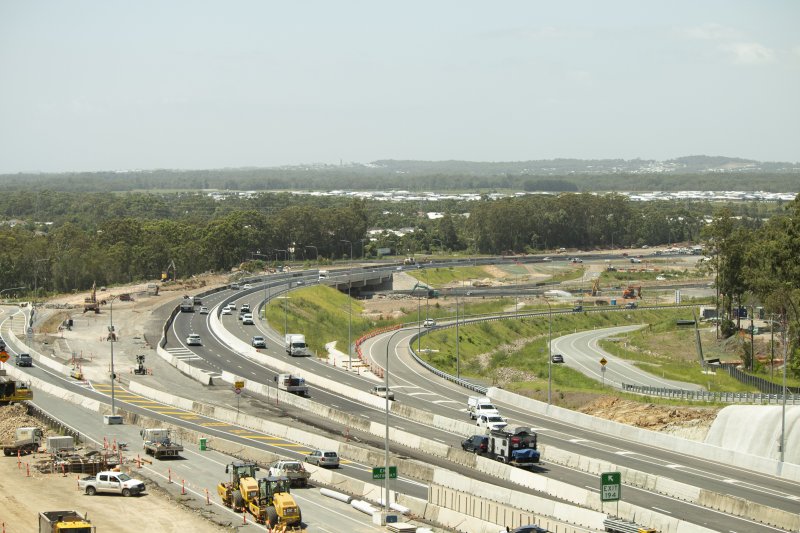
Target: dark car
475,444
577,308
630,305
530,529
557,358
23,359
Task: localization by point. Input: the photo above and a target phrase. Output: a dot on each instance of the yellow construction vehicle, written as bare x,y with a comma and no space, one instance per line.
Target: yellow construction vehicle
12,391
276,503
64,521
242,487
632,292
91,303
596,287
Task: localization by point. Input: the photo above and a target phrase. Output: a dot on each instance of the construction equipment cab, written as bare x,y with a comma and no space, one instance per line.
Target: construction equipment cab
64,522
277,503
242,486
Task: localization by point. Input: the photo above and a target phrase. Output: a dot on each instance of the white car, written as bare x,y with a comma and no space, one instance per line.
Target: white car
204,310
429,323
227,311
247,320
491,422
194,340
247,286
661,278
380,391
547,259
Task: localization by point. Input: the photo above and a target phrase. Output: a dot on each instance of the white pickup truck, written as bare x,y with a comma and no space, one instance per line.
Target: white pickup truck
111,482
480,405
294,470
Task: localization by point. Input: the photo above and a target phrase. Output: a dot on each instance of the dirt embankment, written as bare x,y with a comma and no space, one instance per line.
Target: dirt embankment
688,422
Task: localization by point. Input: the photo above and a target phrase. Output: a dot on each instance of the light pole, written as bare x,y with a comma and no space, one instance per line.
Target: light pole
549,352
386,438
285,314
266,283
112,338
316,252
441,246
349,306
783,410
458,354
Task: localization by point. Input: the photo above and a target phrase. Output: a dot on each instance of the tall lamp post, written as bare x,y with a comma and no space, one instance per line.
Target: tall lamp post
349,305
386,438
549,352
266,283
112,338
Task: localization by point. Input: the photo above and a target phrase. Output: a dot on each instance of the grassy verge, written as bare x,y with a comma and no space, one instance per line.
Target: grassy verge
436,277
513,353
323,314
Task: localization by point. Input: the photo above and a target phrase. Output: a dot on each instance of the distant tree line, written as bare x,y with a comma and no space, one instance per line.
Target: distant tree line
484,177
67,240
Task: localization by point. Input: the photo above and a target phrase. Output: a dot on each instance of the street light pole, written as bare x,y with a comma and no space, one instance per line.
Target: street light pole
549,355
458,354
386,438
112,338
349,307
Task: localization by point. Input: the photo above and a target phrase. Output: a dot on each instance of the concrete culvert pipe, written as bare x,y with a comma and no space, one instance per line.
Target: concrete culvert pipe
346,498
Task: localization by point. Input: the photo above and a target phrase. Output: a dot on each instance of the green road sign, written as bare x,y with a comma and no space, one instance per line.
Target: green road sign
379,472
610,486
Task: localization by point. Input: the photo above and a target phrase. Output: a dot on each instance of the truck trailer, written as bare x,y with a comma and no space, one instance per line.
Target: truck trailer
296,345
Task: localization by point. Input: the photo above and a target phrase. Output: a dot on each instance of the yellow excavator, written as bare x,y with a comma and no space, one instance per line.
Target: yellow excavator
91,303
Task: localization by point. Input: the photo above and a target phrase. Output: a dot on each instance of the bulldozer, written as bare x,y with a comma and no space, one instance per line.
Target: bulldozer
242,488
632,292
91,303
278,506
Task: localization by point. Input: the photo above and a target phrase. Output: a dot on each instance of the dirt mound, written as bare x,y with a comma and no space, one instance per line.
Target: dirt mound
665,418
13,417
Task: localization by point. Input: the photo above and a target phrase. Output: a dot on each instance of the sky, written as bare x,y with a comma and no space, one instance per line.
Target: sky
90,85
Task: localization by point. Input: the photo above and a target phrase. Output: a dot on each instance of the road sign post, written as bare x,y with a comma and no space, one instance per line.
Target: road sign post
603,364
610,488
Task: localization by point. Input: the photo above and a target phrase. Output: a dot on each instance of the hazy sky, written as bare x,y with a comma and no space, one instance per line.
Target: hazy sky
110,84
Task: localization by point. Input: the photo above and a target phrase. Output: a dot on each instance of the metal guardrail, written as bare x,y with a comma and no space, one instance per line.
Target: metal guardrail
713,396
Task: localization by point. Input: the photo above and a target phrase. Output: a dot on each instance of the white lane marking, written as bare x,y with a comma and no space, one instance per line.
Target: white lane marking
661,510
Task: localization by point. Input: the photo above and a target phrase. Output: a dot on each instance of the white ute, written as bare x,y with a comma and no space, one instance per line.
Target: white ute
480,405
491,422
111,482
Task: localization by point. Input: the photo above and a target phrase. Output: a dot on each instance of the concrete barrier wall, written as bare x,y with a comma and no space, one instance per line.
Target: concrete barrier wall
361,396
39,358
702,450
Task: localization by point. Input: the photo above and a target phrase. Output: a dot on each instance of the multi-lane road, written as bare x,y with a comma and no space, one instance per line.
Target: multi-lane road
416,387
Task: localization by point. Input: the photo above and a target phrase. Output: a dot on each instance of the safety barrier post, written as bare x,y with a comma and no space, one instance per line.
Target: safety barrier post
27,470
208,500
169,474
183,487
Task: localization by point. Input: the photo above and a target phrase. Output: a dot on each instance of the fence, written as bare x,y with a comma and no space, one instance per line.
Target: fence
711,396
765,386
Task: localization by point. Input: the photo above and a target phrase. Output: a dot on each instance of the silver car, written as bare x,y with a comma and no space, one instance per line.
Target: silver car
323,458
194,340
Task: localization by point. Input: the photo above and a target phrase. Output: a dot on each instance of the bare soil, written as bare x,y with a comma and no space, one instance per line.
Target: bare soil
27,492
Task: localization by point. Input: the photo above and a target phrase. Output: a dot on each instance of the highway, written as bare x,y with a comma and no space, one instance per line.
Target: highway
415,386
582,353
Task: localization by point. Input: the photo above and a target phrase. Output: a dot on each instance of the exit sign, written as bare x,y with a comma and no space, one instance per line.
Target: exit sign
610,486
379,472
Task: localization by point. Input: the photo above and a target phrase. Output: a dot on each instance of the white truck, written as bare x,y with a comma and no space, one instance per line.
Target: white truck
158,443
26,440
293,384
294,470
296,345
111,482
480,405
